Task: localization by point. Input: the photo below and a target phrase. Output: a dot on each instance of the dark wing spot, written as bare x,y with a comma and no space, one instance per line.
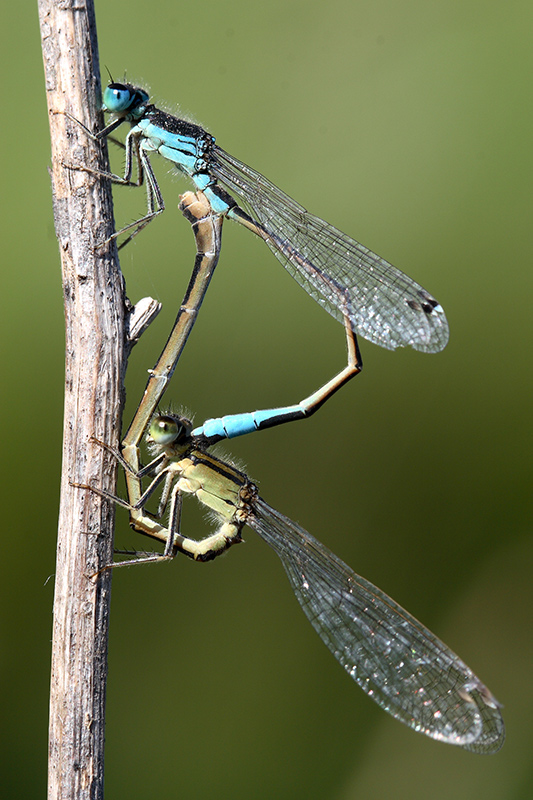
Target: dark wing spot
426,305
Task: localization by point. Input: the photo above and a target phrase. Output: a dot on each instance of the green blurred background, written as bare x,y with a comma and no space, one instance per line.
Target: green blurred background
408,125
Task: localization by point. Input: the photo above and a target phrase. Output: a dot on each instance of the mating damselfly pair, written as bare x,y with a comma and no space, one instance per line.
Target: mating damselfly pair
395,659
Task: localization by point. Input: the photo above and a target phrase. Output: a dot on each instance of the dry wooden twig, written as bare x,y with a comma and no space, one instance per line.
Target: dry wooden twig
95,362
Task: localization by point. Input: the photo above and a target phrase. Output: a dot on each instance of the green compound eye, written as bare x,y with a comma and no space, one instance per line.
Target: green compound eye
166,430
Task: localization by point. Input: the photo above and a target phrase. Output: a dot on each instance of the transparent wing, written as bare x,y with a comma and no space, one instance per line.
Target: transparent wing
396,660
386,306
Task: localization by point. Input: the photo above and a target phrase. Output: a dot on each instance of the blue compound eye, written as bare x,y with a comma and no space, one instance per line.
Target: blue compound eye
118,97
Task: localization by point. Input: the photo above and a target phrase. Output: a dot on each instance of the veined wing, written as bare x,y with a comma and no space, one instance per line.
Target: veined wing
398,662
386,306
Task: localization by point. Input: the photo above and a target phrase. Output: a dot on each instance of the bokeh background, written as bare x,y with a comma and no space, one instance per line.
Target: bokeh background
409,126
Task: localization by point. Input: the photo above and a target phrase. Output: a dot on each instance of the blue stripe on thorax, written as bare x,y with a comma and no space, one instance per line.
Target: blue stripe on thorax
181,142
187,146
